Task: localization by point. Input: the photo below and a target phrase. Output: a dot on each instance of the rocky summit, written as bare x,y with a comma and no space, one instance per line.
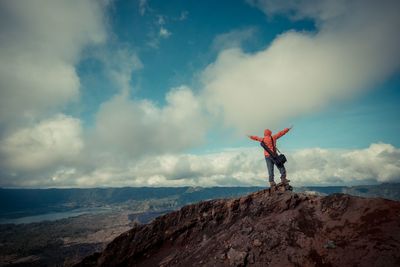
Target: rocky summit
264,229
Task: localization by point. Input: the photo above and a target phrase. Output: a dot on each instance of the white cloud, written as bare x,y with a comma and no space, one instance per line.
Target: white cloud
119,65
354,48
161,20
245,167
55,152
159,29
164,33
49,143
233,39
184,15
40,42
143,7
377,163
180,170
136,128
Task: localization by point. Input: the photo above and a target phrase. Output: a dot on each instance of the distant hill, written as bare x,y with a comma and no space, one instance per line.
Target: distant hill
25,202
16,203
385,190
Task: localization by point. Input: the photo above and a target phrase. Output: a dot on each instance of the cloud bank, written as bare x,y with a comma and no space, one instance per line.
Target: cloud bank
245,167
354,47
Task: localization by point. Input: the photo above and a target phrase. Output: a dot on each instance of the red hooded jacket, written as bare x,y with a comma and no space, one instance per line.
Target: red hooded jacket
267,138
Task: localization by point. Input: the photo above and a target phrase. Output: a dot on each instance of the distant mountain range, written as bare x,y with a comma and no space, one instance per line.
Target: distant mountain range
16,203
385,190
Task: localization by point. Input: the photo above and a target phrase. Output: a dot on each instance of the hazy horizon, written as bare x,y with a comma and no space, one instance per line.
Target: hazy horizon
216,186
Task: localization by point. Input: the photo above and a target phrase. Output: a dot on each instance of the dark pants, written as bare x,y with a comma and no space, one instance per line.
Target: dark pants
270,167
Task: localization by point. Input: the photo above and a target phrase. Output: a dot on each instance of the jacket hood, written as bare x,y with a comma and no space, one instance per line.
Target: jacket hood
267,132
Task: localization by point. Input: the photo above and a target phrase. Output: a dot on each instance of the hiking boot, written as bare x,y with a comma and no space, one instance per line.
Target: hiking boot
284,180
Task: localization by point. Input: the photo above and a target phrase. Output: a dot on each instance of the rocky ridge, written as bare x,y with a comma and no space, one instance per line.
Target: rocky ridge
264,229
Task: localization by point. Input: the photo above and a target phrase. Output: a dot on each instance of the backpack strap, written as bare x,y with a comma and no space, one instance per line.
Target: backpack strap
271,153
274,147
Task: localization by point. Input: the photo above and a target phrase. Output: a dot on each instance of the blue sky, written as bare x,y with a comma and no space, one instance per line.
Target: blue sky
369,117
179,58
141,92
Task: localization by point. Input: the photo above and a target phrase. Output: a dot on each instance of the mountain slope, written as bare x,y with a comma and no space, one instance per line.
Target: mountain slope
286,229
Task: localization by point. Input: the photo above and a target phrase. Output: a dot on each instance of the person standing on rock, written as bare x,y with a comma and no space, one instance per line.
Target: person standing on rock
270,141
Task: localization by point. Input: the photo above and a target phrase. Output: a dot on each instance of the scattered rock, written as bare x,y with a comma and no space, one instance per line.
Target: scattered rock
247,230
251,257
257,243
330,244
222,256
166,261
236,258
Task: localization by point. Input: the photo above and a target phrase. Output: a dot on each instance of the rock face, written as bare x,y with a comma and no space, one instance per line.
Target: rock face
264,229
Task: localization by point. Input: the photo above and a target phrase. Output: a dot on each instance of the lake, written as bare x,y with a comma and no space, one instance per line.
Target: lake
53,216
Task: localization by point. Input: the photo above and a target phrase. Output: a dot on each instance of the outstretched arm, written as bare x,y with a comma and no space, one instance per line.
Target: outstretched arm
255,138
282,133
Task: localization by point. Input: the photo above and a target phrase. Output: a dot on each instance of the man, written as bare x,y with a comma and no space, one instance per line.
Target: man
267,139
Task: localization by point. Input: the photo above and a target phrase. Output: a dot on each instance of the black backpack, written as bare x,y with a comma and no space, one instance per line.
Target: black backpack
278,159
